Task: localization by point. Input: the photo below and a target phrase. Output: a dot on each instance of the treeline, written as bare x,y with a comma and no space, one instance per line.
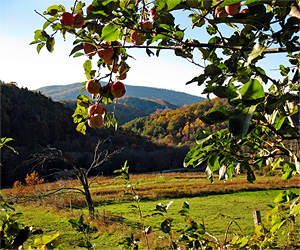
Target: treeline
178,126
35,122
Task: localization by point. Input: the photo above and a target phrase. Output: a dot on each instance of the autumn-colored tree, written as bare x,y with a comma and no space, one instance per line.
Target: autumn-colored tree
33,179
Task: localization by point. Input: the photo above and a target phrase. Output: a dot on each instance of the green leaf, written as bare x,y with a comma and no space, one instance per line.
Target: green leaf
76,48
79,6
272,212
165,226
288,170
52,10
277,222
221,91
230,2
160,207
111,32
160,4
78,54
212,70
172,4
211,30
213,162
49,21
199,21
51,241
259,232
252,90
285,196
238,243
50,44
39,47
74,223
81,127
186,205
296,210
239,123
284,70
87,68
279,120
218,115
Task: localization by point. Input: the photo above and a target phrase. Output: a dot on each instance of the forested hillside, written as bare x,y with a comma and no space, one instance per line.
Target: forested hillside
177,126
129,108
34,121
71,91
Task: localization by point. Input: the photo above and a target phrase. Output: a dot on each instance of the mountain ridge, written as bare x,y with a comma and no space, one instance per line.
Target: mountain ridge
71,91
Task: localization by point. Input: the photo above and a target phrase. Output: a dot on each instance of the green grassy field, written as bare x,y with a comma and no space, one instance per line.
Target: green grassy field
215,204
215,210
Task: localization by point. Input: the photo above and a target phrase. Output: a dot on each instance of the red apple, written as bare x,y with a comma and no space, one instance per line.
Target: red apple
89,49
146,26
117,50
93,87
104,52
153,14
220,12
67,19
78,23
245,11
115,68
95,121
233,9
88,9
95,109
118,89
123,68
137,37
111,61
122,77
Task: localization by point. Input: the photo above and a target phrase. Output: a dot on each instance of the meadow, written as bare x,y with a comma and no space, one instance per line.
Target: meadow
214,204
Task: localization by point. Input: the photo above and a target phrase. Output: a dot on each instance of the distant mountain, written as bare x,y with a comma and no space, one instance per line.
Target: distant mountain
71,91
147,105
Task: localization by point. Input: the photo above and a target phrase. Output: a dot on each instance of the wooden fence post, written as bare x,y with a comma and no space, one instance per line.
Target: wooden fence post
257,218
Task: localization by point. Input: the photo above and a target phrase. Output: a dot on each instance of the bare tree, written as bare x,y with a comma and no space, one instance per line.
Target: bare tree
48,154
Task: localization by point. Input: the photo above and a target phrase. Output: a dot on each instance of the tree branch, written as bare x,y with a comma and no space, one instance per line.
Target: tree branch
205,45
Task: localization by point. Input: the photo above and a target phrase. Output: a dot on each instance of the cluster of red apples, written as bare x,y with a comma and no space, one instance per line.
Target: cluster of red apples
68,19
109,53
110,56
97,112
229,10
138,37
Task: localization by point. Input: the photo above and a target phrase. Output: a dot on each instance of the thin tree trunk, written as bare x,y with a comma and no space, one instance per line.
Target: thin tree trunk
88,198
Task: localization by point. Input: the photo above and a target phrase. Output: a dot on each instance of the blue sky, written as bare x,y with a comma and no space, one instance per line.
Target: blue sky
21,63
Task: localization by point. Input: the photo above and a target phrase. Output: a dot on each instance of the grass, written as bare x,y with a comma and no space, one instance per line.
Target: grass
216,204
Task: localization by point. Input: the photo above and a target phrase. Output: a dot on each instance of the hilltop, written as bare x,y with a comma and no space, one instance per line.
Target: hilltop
71,91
